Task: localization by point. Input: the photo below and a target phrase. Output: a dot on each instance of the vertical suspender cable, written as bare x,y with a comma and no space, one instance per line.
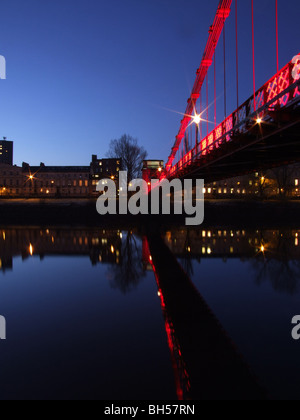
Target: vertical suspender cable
253,55
201,133
225,91
215,91
277,36
207,105
197,126
237,54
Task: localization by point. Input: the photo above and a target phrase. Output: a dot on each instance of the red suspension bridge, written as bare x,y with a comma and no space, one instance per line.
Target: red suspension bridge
261,133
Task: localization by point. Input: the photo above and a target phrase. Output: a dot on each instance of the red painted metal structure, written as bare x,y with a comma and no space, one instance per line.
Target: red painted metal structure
280,91
182,380
215,32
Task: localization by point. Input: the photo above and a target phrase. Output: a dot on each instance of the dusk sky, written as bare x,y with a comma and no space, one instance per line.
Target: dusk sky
80,73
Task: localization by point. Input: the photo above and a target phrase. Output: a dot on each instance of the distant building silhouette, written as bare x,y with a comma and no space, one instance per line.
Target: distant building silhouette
104,169
6,151
53,181
56,181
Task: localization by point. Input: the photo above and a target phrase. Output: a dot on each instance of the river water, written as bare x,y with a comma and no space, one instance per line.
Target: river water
84,320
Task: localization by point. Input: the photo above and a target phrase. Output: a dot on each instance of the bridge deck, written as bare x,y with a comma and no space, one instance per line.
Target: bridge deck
240,144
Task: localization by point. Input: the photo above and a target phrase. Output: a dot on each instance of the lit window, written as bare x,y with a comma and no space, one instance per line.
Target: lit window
204,191
250,183
220,190
296,182
209,190
225,190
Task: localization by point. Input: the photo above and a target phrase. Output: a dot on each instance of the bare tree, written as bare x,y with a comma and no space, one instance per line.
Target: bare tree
284,177
129,273
130,152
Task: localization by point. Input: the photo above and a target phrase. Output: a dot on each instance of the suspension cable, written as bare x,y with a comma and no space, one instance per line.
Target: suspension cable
225,91
201,133
277,36
237,54
207,105
215,90
253,55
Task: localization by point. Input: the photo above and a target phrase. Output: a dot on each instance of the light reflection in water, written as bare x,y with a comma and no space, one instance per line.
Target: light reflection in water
272,254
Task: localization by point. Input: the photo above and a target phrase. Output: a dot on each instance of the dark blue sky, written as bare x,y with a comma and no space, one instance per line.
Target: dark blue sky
80,73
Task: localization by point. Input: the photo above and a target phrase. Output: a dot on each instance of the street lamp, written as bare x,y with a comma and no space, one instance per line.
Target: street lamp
197,119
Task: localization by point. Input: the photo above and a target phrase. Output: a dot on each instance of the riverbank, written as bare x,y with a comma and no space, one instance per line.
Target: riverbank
231,213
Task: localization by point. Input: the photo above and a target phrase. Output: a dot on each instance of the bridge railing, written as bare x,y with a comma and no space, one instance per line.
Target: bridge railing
277,93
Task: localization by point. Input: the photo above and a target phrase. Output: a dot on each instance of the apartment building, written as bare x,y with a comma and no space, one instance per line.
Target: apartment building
56,181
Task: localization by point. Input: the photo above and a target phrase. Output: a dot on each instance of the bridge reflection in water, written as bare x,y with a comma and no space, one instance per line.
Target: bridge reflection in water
205,361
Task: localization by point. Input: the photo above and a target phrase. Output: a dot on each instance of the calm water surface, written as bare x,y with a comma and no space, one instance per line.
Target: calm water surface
84,320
